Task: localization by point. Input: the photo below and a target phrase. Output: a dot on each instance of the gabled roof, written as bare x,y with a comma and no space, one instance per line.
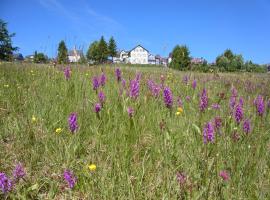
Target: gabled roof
139,46
75,52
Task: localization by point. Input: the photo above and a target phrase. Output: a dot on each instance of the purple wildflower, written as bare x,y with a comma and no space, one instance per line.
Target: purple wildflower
72,120
241,101
67,73
130,112
168,97
235,136
203,100
118,74
123,83
134,89
18,172
246,126
181,178
95,83
215,106
217,122
188,98
208,133
5,183
224,175
97,108
179,102
238,115
234,92
101,97
259,102
102,79
154,88
138,76
232,102
69,178
185,79
194,84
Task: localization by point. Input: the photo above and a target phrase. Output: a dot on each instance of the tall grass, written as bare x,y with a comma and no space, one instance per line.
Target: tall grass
138,157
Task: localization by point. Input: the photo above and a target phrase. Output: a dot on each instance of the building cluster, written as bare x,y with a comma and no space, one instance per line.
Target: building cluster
137,55
140,55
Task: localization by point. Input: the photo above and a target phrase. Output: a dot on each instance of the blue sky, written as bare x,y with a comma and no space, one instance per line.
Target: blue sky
207,27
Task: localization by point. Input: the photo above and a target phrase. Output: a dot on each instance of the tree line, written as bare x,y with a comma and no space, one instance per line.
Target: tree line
97,53
226,62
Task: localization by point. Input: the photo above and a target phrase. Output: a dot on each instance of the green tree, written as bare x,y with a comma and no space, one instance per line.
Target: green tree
102,50
112,47
93,52
229,61
82,59
228,54
222,63
62,56
6,48
40,58
180,58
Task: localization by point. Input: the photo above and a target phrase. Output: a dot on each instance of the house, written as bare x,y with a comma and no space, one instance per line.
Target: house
151,59
170,58
75,55
124,56
138,55
18,57
164,62
197,61
29,58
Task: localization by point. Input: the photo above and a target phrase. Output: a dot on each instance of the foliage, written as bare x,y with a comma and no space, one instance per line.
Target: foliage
40,58
112,47
93,52
62,57
6,48
229,61
98,51
102,50
82,60
180,58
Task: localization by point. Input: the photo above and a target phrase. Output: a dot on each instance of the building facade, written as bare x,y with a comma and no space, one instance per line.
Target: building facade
74,55
138,55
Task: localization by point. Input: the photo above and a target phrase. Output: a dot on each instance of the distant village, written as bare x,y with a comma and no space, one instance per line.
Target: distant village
137,55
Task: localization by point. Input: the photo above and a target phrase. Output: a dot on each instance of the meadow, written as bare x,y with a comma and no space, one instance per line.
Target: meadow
104,132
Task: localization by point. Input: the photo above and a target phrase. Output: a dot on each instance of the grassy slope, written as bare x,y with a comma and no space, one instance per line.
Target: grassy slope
135,159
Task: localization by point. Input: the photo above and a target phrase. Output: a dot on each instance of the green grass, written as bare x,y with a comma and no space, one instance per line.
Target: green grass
135,158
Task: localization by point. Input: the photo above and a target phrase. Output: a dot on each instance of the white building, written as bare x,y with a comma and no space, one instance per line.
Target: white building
123,56
151,59
138,55
74,55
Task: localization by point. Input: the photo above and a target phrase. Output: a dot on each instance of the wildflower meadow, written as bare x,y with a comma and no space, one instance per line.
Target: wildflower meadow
109,132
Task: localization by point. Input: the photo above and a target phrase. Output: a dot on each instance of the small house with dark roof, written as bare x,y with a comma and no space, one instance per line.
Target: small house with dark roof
75,55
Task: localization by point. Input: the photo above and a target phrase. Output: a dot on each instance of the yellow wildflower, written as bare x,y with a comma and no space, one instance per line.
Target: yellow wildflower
34,119
58,130
6,85
180,109
32,71
86,74
92,167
